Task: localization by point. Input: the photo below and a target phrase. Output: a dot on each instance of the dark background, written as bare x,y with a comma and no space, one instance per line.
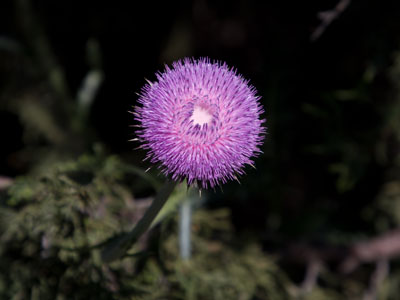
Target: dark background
332,103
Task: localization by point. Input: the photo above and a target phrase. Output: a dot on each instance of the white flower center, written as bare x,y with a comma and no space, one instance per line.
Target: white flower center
200,116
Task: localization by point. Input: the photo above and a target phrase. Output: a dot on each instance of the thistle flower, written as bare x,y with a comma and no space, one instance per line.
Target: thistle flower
200,121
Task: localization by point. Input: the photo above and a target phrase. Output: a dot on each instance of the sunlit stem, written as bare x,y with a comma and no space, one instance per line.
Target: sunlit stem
185,221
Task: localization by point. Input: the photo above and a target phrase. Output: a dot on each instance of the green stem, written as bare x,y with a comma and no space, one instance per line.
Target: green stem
121,245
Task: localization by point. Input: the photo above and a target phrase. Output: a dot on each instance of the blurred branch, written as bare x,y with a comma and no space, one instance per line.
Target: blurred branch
9,45
93,80
379,250
39,43
41,119
384,247
62,121
327,18
54,120
5,182
379,275
86,94
310,280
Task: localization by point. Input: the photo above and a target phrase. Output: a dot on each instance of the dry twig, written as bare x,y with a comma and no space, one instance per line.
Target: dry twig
377,278
379,250
327,18
5,182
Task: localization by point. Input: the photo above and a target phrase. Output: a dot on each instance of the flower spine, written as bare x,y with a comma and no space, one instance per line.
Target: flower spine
200,121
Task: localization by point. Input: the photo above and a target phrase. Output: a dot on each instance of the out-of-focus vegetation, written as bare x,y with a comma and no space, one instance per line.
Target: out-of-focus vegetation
54,223
318,219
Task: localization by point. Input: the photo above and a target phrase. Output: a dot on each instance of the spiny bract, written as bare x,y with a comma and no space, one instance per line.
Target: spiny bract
201,121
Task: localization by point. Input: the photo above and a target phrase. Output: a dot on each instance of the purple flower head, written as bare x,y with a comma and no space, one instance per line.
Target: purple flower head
201,121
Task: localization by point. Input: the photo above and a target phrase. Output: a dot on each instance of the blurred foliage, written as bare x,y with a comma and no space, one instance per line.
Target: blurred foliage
53,224
329,174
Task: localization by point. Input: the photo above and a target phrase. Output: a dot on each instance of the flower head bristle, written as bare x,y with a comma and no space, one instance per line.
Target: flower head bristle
200,121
